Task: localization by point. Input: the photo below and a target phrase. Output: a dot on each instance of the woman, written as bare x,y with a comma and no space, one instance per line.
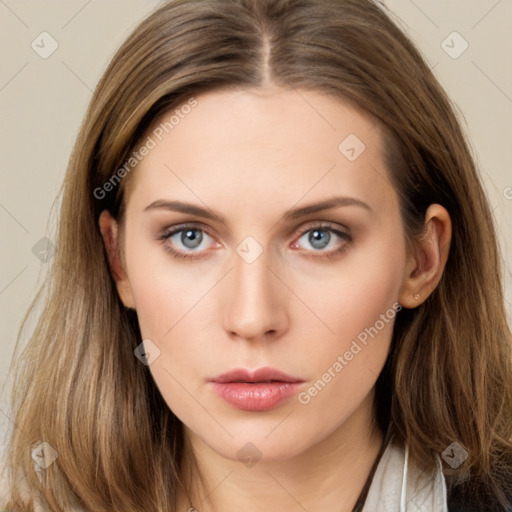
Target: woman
276,284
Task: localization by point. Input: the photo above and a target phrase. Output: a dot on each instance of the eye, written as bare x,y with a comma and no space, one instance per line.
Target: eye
324,239
185,241
190,241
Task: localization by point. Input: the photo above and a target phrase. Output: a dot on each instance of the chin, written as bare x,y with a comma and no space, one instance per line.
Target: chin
265,441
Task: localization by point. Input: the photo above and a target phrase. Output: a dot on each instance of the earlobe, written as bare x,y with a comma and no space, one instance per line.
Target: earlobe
110,233
425,267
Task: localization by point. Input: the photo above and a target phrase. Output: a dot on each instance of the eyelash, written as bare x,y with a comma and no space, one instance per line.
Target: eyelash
168,233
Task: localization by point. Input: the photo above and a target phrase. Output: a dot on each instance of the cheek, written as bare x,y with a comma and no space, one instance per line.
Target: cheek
357,291
358,305
164,291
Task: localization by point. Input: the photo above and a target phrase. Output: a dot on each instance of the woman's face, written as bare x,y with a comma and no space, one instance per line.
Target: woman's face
262,232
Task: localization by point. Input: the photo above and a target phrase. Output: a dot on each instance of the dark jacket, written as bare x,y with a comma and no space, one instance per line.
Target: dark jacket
469,497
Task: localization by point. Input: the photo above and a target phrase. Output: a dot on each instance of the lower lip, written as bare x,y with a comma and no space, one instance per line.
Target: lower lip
260,396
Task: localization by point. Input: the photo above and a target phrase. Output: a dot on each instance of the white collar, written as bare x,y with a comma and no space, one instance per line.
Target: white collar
398,485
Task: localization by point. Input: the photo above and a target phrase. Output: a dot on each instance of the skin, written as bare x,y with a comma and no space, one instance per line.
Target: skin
251,155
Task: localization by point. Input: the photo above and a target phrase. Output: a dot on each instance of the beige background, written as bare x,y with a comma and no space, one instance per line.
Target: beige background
42,103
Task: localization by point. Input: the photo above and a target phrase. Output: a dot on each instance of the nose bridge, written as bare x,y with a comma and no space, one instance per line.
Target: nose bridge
255,301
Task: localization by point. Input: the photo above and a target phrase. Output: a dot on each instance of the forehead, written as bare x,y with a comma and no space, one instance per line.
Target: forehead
262,147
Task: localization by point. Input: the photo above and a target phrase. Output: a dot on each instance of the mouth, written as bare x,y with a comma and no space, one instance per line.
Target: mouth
259,390
260,375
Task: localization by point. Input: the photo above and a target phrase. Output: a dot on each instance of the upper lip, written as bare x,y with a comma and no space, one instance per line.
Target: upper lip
259,375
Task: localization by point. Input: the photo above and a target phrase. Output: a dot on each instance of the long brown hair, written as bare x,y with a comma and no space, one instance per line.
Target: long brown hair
79,387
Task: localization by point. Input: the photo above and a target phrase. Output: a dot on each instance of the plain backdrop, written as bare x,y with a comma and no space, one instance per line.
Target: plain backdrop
43,101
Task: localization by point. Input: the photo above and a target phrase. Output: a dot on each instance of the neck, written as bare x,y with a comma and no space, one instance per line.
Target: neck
329,475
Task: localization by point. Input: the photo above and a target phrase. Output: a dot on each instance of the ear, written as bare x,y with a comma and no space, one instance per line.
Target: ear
425,265
110,233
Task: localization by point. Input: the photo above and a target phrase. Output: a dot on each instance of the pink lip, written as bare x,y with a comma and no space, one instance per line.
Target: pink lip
259,390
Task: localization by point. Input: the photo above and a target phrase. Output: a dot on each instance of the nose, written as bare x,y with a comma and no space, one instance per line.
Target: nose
255,301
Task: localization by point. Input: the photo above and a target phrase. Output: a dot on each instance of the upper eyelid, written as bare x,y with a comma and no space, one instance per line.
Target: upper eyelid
327,225
172,230
304,227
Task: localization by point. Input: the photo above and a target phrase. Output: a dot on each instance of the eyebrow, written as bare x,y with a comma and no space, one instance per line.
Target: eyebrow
292,214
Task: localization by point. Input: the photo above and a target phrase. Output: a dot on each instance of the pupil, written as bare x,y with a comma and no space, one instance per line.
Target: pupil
316,239
190,239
